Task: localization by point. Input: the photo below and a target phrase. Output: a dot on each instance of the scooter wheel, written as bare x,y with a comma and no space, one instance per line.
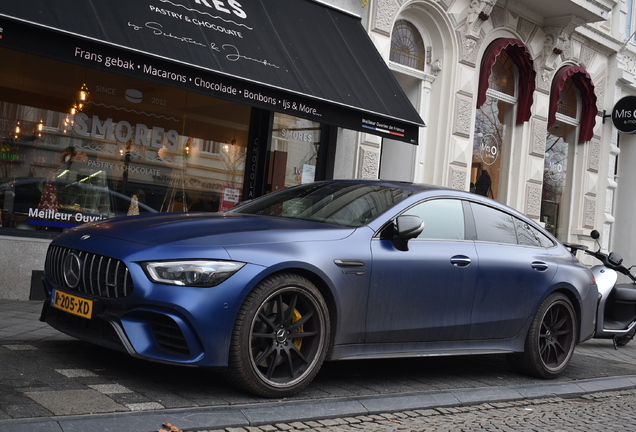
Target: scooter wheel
550,341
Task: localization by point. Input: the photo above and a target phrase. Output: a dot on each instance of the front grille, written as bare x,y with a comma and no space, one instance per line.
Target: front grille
168,335
98,275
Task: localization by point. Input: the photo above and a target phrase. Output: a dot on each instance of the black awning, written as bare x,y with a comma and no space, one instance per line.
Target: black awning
294,56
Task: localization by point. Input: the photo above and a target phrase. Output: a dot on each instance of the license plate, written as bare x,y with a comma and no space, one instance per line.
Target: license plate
72,304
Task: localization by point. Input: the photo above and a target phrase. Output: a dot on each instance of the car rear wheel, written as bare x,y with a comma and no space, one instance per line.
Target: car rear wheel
280,337
550,341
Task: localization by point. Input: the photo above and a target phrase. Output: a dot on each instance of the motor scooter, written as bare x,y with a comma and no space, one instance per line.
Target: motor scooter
616,312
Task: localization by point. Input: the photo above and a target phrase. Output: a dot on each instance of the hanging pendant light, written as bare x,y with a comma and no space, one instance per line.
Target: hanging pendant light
83,97
17,130
40,128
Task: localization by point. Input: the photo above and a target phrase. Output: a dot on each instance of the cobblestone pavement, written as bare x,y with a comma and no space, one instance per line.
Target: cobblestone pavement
605,411
50,382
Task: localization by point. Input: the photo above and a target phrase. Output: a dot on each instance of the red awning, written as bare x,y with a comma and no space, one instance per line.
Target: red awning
520,56
583,83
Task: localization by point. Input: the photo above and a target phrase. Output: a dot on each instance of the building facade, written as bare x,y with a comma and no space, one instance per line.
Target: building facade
517,98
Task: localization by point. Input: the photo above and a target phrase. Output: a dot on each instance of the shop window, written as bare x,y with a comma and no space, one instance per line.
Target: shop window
492,126
407,46
557,181
504,99
294,152
124,146
557,172
571,120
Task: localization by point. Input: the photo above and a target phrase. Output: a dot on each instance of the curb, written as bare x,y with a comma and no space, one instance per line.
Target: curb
298,411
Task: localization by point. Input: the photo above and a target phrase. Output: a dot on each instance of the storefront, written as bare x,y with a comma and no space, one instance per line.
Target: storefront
118,108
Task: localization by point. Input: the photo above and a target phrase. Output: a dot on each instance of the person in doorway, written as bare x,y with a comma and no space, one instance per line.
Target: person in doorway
483,183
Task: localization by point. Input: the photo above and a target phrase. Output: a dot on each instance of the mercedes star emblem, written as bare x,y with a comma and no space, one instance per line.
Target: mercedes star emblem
72,266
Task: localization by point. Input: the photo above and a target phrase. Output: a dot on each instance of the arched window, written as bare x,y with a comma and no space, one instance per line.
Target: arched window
407,47
504,98
572,109
502,77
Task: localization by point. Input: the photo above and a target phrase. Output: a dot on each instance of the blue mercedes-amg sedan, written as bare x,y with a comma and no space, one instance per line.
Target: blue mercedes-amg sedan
330,270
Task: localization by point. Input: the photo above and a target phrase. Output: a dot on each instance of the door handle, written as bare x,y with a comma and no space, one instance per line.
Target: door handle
460,261
539,265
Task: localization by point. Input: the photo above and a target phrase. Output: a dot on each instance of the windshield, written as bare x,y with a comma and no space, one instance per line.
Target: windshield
344,204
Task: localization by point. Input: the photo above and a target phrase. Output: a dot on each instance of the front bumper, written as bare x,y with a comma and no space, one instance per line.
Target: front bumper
162,323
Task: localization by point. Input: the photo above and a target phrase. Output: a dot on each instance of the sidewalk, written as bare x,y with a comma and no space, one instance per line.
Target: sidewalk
51,382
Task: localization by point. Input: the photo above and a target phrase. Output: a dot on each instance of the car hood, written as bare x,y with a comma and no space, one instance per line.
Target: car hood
211,229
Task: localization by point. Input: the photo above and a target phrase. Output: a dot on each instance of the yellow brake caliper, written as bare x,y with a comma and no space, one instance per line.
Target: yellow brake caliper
298,342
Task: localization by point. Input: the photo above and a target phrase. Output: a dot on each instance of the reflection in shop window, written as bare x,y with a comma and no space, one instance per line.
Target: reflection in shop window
488,143
295,148
134,146
492,120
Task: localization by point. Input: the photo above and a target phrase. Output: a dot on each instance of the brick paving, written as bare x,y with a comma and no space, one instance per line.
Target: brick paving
52,382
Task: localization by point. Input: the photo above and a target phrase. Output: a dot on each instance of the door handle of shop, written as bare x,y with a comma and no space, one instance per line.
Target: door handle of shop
460,261
539,266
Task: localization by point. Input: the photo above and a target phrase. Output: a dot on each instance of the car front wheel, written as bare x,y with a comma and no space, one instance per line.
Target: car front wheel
280,337
550,341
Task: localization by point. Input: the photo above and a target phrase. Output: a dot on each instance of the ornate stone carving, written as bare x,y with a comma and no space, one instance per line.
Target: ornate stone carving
533,200
595,155
369,164
469,49
539,129
599,91
557,41
586,57
590,212
478,12
463,116
525,28
544,78
629,63
384,15
457,179
498,17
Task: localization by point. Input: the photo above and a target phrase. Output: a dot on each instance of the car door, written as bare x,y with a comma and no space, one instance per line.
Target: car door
424,293
513,267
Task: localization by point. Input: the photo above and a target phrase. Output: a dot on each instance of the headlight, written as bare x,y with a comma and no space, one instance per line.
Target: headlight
195,273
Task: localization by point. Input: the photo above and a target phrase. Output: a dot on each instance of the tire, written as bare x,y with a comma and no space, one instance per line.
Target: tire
550,341
280,337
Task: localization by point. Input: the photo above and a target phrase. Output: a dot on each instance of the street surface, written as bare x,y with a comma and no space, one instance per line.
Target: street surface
607,412
50,382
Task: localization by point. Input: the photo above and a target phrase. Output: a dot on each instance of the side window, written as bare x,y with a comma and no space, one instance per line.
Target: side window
544,240
443,219
530,236
493,225
527,235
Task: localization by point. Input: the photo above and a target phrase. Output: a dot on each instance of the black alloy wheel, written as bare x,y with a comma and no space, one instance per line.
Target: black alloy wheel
280,337
550,341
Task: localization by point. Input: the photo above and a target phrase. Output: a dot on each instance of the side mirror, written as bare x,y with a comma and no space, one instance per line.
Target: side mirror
407,227
595,234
